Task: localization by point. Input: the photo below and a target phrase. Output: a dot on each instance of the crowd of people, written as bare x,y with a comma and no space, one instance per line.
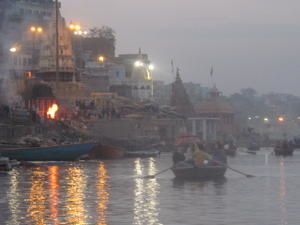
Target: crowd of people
88,109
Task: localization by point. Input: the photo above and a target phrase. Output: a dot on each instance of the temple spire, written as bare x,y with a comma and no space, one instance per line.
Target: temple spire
179,98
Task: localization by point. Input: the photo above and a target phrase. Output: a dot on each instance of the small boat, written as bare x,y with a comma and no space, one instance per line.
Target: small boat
283,151
187,171
142,154
230,152
101,151
252,152
5,164
53,153
230,149
253,147
284,148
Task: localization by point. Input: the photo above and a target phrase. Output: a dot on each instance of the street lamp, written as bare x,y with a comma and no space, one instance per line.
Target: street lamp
101,59
74,26
138,63
13,49
39,30
35,30
151,67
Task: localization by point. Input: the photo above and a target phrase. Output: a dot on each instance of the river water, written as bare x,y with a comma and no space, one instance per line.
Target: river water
111,192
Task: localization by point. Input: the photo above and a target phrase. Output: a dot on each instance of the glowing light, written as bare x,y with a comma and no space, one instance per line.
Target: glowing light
148,76
13,49
74,26
249,118
138,64
281,119
77,27
151,67
101,59
39,29
52,111
266,120
32,29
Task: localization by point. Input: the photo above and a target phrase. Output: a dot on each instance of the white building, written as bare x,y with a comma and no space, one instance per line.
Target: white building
138,75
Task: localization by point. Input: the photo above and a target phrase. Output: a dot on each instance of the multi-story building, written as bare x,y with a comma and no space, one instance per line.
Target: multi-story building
29,26
138,75
17,17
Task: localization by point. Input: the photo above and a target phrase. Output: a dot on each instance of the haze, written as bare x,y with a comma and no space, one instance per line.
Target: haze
250,43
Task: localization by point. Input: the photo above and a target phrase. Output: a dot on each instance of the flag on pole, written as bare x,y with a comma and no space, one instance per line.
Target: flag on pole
172,66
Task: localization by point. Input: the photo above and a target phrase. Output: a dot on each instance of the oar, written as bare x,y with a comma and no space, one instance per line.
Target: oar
225,165
160,172
237,171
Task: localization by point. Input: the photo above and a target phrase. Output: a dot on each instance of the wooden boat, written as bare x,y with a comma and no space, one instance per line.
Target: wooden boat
54,153
101,151
253,147
252,152
142,154
207,172
230,151
283,151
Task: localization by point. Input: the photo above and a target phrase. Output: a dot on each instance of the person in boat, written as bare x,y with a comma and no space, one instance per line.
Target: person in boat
218,154
226,147
285,145
199,156
189,154
178,156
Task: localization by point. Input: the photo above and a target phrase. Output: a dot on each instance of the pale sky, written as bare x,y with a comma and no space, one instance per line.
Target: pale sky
250,43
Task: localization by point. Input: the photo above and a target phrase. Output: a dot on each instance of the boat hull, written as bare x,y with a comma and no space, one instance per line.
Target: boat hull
106,152
283,152
142,154
55,153
230,152
199,173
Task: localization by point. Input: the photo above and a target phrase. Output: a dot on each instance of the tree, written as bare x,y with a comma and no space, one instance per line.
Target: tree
248,92
104,32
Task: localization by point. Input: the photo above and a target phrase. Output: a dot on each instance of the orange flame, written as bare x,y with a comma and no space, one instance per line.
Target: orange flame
52,111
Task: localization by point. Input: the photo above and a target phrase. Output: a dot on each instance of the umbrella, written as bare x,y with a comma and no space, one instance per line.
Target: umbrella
187,139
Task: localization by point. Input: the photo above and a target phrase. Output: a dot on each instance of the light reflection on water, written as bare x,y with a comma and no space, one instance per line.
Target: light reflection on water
112,193
102,194
13,197
282,193
74,203
146,194
53,197
37,197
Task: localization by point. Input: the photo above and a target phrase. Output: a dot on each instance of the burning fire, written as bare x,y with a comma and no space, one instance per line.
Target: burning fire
52,111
